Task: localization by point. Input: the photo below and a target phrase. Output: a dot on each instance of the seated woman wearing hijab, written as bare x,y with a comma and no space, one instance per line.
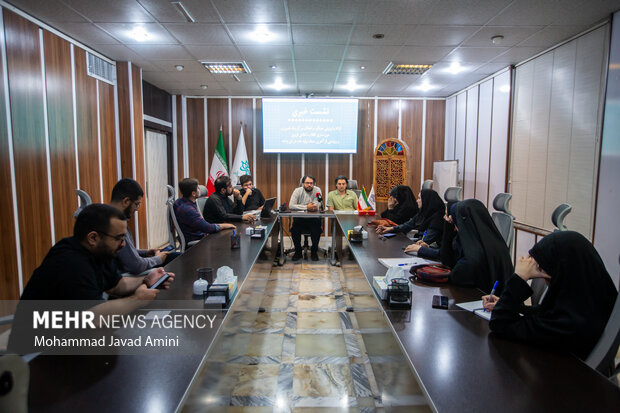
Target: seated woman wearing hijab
401,205
472,247
428,221
578,303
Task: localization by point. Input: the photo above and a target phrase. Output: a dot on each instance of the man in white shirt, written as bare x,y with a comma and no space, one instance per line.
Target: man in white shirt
306,198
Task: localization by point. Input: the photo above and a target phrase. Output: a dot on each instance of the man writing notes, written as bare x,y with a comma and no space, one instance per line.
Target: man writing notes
306,198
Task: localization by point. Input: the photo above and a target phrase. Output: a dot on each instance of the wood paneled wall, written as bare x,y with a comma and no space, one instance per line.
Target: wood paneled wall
40,84
392,114
131,139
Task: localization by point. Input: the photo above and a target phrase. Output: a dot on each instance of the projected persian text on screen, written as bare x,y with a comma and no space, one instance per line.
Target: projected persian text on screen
310,125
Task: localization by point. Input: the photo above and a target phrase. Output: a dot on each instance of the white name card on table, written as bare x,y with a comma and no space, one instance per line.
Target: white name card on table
406,263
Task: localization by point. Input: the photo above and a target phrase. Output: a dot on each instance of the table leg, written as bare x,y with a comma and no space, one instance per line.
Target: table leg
332,259
282,259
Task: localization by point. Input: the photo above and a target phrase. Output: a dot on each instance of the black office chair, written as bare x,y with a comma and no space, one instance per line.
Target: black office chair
84,201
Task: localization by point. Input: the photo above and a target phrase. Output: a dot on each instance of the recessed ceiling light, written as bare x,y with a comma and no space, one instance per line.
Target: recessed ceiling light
226,68
363,67
179,67
262,35
273,66
405,69
497,39
139,34
351,85
277,84
378,36
203,86
425,86
455,68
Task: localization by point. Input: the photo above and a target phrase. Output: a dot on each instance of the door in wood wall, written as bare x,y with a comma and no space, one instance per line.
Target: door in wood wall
156,148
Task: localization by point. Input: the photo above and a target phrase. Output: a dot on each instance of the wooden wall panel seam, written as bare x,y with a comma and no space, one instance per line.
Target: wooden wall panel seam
74,97
423,149
103,197
206,139
117,134
47,139
254,140
17,260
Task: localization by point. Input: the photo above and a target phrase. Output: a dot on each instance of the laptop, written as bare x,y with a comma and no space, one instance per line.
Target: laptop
266,211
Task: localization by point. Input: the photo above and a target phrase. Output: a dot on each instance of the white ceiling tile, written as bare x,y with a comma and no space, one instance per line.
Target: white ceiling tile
457,12
317,65
50,11
123,32
316,77
517,54
200,10
160,51
246,34
430,35
552,35
316,52
475,54
254,11
214,53
490,68
112,11
88,33
530,12
358,78
259,52
394,35
144,64
324,11
257,66
370,65
397,11
117,52
200,34
421,55
265,78
315,87
189,66
320,33
372,52
512,35
246,87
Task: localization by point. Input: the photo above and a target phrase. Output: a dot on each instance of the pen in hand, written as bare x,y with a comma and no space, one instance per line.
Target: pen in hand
492,293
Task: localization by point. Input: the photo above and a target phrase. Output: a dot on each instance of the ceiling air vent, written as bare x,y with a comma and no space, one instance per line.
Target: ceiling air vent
100,69
405,69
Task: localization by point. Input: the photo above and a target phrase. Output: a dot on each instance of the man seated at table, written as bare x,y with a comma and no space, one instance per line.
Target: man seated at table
306,198
83,267
126,197
341,199
251,198
219,207
193,225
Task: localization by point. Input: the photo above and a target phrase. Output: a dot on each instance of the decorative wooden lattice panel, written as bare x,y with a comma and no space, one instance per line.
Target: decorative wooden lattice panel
390,167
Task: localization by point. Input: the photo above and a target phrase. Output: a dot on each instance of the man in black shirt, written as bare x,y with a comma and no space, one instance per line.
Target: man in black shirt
251,197
219,208
83,267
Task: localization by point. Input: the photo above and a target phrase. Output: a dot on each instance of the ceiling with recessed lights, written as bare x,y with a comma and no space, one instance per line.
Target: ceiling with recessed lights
324,47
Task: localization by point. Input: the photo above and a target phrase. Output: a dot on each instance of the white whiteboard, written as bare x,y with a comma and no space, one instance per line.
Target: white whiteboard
445,175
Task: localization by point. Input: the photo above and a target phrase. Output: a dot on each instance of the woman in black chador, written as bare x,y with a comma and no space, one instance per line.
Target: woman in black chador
401,205
578,303
472,247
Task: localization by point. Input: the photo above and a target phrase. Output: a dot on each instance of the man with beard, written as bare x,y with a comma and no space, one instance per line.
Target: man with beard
305,198
83,267
220,208
126,197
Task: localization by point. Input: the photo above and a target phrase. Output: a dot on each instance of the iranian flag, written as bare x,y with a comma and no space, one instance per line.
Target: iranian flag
219,166
367,203
241,164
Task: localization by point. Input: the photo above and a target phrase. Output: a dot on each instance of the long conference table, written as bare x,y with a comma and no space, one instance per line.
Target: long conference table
459,364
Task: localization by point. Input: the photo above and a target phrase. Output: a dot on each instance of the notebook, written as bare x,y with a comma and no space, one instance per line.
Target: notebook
476,308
